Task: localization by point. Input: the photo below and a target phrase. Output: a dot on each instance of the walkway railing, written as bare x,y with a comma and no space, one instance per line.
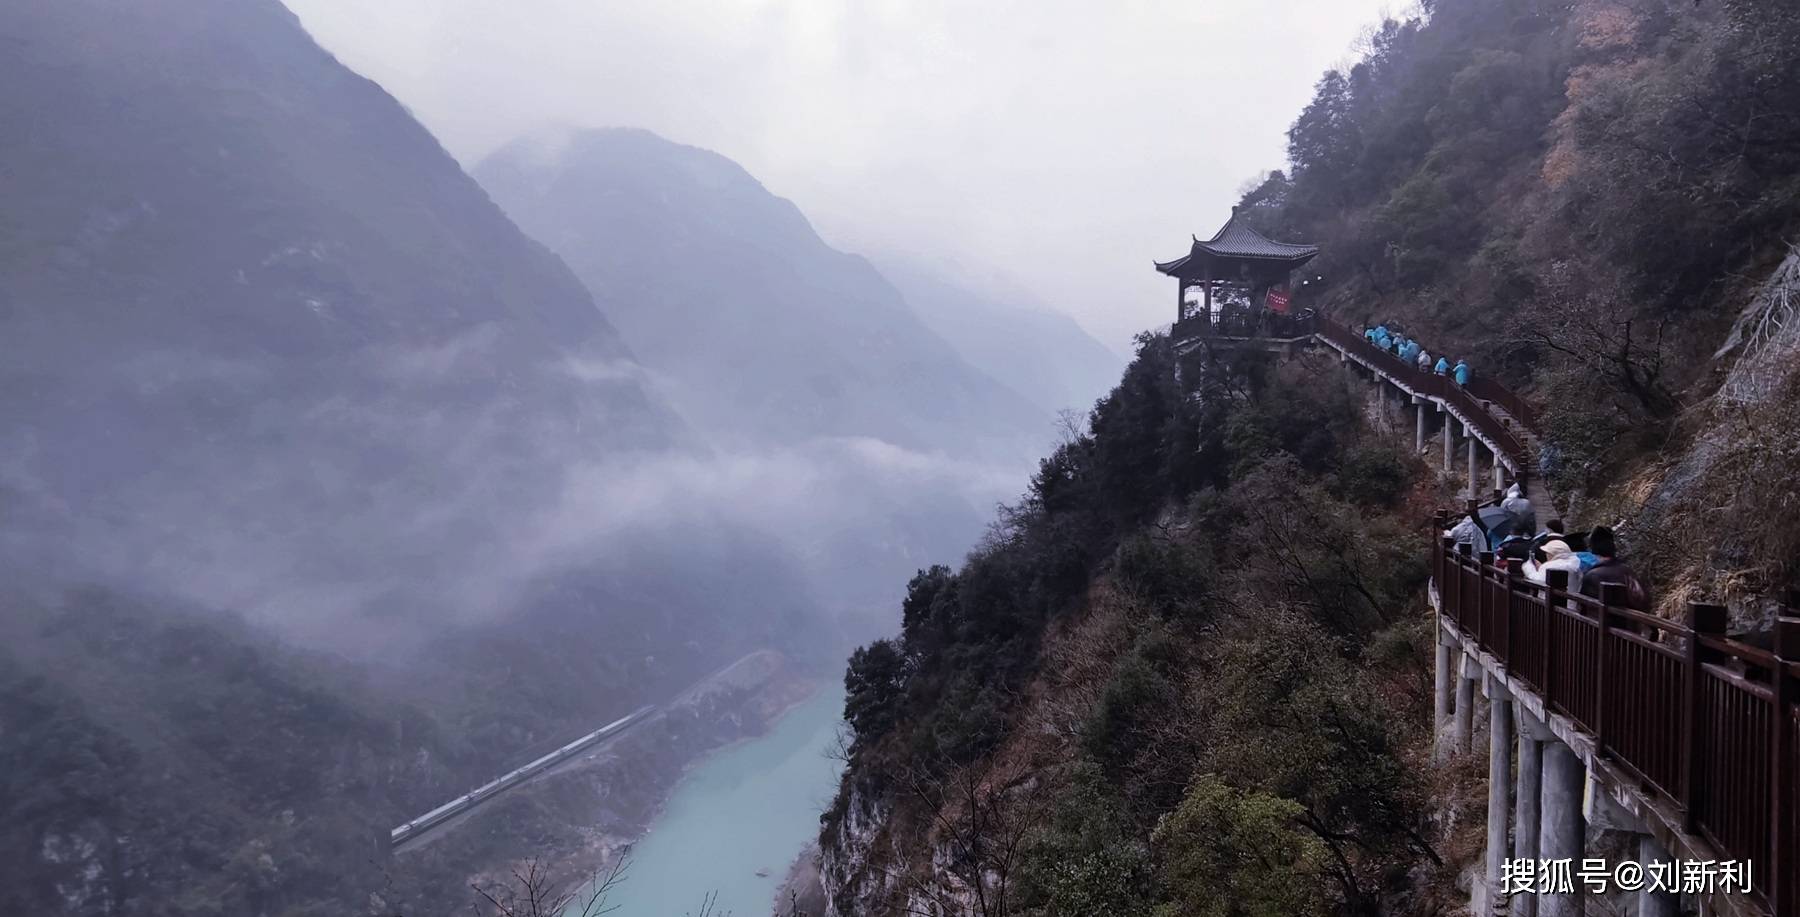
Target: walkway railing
1708,723
1468,402
1464,401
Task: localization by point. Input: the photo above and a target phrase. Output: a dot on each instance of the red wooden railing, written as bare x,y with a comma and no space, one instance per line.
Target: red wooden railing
1462,400
1470,402
1486,389
1709,723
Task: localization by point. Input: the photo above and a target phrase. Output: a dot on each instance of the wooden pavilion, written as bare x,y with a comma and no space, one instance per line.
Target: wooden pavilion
1236,257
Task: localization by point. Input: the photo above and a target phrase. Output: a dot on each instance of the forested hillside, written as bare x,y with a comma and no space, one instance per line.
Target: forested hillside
1189,646
1186,674
1592,200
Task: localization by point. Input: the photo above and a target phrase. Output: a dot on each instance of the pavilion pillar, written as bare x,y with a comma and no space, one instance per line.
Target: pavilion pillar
1208,281
1180,299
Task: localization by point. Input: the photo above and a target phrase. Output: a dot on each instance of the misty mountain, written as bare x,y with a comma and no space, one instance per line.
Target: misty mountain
263,342
274,368
1040,353
760,331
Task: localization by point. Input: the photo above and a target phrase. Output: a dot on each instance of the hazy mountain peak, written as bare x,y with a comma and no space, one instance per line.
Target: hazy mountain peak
758,329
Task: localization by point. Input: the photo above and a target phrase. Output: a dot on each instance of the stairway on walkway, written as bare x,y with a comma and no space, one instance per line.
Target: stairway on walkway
1536,490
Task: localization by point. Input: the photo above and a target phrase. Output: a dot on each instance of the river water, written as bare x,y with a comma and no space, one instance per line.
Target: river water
747,809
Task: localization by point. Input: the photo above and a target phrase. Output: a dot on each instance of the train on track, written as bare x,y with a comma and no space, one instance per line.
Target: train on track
506,781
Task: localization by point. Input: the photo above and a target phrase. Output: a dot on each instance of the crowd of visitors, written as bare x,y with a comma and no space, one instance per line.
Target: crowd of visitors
1394,341
1509,530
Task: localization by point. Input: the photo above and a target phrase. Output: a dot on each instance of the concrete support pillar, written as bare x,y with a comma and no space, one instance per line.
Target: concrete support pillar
1562,831
1500,738
1659,903
1444,675
1474,488
1449,440
1499,473
1418,426
1464,725
1526,797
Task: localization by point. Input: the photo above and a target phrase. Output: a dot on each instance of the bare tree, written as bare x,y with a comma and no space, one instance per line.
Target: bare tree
533,892
1608,339
984,815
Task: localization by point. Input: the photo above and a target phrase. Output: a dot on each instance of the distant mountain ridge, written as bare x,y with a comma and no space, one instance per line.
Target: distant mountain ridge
263,291
1042,354
757,327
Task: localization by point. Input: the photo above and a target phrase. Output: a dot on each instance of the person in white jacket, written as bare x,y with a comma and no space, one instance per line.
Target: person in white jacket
1471,532
1519,507
1554,555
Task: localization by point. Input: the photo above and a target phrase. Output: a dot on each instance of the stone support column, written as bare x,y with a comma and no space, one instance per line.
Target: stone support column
1562,831
1500,738
1464,725
1444,675
1659,903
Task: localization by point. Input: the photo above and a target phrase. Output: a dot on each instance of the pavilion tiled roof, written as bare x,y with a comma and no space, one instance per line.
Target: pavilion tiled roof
1237,240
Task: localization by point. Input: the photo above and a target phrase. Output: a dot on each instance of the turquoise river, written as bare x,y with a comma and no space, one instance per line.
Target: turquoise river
737,821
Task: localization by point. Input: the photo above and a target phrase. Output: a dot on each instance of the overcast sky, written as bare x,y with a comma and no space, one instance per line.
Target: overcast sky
1052,144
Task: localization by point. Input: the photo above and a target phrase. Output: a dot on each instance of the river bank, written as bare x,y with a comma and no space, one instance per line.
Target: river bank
588,811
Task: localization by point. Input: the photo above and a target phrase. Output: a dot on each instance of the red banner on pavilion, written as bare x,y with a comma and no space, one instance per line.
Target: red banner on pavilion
1278,300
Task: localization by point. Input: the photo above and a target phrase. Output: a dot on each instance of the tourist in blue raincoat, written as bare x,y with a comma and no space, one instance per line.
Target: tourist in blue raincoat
1462,372
1442,368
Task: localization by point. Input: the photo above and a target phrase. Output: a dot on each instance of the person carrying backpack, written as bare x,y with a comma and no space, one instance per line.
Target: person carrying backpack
1608,569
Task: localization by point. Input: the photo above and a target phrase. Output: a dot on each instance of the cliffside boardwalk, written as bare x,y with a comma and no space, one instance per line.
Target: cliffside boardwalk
1667,729
1246,280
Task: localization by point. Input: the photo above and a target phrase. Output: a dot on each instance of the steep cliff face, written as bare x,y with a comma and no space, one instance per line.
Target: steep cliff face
1189,649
